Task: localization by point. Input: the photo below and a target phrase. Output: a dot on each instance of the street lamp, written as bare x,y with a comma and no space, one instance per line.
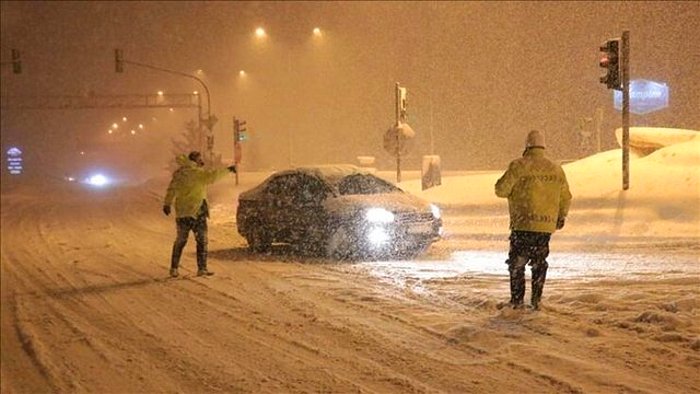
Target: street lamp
317,32
260,32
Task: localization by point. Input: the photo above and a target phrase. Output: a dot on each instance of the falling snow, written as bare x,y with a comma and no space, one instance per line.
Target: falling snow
87,304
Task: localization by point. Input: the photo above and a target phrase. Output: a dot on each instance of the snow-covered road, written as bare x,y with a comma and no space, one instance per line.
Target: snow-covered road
87,307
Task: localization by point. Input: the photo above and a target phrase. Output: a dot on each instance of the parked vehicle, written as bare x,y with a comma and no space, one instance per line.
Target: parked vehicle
343,211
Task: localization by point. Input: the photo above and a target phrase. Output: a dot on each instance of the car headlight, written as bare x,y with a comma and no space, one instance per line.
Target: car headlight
97,180
436,211
379,215
377,236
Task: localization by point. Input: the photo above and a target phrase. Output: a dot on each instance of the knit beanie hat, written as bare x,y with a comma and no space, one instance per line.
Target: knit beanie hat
535,139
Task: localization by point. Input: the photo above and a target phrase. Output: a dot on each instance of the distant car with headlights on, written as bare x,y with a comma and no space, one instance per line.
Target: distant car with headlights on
342,211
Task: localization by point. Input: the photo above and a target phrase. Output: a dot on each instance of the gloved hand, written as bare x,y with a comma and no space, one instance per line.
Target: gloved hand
560,223
166,210
232,168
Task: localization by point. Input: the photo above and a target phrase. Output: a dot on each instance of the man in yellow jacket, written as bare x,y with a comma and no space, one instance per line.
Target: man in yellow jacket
188,188
538,200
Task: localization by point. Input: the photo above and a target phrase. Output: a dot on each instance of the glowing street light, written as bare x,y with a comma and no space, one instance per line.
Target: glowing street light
133,132
317,32
242,73
260,32
110,131
140,126
195,92
160,92
124,119
115,126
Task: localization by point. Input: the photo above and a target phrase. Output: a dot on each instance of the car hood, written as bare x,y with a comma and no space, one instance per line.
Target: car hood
394,202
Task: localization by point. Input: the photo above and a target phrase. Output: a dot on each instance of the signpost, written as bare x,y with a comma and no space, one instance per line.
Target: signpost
396,138
240,134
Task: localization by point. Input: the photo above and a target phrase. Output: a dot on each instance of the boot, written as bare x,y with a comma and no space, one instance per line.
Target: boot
517,281
204,272
539,275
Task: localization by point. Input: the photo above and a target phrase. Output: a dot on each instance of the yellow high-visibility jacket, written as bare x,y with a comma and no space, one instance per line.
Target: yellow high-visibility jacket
537,191
188,187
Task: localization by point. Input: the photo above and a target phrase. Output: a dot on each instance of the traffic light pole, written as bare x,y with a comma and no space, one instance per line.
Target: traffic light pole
398,136
625,110
209,120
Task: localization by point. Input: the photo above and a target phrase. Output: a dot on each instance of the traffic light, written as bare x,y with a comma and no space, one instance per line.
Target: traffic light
239,130
16,62
610,61
118,61
403,104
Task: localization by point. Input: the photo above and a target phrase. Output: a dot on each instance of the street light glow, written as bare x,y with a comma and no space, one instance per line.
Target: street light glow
171,109
140,126
115,126
260,32
124,119
133,132
109,131
241,73
195,92
160,92
317,32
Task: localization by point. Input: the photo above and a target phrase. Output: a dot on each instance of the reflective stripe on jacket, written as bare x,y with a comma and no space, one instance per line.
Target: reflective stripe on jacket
188,187
537,191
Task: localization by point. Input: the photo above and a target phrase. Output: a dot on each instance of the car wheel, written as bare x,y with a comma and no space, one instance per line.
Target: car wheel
339,244
420,248
258,240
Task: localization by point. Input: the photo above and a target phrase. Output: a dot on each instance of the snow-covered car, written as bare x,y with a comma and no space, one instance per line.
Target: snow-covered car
342,211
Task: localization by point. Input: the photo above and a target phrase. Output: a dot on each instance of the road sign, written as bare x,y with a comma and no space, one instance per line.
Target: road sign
645,97
399,139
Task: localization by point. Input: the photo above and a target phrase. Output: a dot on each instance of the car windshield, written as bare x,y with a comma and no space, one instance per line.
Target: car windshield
365,184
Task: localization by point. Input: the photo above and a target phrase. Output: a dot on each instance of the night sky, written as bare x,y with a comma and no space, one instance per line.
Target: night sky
479,75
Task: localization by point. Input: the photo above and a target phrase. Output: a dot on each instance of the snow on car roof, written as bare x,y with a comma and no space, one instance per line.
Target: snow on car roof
332,173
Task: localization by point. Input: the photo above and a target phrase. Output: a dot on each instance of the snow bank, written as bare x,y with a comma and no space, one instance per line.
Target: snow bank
644,140
663,199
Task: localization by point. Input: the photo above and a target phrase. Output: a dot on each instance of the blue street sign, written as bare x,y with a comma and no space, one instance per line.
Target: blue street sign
645,96
14,161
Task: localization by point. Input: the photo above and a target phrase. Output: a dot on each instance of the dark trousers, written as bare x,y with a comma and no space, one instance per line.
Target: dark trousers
527,247
199,227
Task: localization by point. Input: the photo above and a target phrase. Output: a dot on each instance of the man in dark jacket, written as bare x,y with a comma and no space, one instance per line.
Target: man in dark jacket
538,200
188,188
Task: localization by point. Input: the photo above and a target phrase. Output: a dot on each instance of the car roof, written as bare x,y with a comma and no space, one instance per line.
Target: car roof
332,174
